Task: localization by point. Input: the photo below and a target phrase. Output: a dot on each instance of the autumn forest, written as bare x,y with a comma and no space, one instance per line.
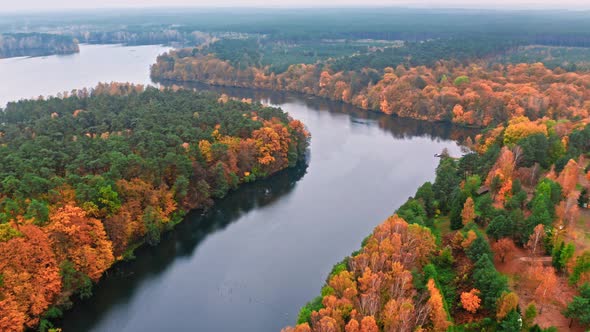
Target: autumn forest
113,168
499,240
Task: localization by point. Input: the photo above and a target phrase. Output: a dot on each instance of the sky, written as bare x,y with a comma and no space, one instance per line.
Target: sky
52,5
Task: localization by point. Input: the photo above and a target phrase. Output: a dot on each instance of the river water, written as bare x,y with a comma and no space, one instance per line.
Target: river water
250,262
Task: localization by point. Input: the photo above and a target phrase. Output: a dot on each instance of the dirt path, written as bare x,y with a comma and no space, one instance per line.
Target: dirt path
550,313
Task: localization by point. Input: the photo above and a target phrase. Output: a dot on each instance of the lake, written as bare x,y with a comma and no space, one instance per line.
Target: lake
30,77
250,262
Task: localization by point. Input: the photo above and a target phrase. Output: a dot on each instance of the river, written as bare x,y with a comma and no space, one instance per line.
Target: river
250,262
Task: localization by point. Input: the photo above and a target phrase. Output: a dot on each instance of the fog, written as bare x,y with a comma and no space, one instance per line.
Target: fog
56,5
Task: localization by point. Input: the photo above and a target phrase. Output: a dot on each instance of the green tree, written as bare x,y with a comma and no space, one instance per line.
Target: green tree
39,211
220,184
512,322
479,248
581,266
447,181
152,224
108,200
484,205
579,308
489,282
426,195
500,227
459,198
460,80
413,212
561,254
529,315
534,150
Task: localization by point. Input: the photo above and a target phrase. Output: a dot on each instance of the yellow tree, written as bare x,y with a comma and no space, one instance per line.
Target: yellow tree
468,213
506,303
438,315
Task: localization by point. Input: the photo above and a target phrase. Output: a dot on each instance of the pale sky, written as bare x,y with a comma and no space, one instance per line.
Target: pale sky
36,5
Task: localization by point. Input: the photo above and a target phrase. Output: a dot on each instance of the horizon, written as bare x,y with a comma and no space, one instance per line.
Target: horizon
40,6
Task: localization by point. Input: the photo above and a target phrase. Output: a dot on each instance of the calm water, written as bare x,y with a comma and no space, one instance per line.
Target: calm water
27,77
254,259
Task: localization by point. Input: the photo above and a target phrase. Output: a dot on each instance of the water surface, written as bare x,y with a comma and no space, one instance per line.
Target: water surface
30,77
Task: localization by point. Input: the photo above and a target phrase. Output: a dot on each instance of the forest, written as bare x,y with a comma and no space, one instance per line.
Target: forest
475,94
36,44
90,175
495,243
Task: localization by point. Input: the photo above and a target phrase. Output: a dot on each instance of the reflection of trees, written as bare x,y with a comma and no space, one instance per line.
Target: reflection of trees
398,127
121,281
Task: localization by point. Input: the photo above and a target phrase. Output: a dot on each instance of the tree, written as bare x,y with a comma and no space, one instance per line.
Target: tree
501,175
352,326
397,315
468,213
506,303
461,80
457,205
529,315
484,207
519,197
535,243
581,268
438,315
562,254
426,194
489,281
568,178
579,308
478,248
470,301
30,278
504,249
512,322
368,324
446,182
520,128
545,291
500,227
535,150
153,225
220,183
80,240
38,211
413,212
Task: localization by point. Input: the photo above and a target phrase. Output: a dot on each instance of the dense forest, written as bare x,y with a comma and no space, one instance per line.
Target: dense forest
495,243
36,44
91,175
475,94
